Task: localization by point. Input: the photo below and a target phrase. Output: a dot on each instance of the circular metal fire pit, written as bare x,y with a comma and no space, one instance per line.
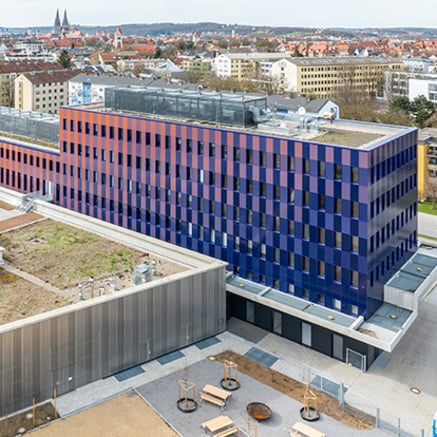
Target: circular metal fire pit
259,411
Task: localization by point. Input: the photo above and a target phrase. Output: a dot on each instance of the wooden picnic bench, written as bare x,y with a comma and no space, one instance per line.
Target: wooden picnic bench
205,396
228,431
217,424
215,395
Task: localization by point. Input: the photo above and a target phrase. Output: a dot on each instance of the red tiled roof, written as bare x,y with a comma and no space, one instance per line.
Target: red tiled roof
51,76
26,66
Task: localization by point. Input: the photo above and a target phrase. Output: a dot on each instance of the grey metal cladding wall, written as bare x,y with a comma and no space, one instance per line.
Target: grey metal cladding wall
69,350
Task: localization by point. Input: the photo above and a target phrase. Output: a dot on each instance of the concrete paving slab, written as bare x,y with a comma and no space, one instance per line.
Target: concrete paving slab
162,393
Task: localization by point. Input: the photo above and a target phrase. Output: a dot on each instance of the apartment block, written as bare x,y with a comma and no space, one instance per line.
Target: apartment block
42,92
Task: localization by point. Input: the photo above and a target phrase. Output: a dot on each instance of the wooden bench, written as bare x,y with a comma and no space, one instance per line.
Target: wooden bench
300,429
212,399
228,432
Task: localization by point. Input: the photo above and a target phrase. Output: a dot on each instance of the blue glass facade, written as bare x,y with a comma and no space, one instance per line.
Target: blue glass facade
327,223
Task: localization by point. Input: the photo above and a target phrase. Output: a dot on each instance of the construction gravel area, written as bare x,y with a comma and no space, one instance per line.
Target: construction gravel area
125,415
47,260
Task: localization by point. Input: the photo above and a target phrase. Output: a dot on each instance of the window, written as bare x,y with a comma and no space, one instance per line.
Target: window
291,163
263,250
306,166
262,189
322,235
277,160
321,268
277,254
338,240
306,232
211,149
306,198
262,158
355,244
322,169
337,206
337,171
337,304
355,174
291,259
291,227
306,264
291,193
354,278
337,273
236,243
236,213
321,298
355,209
321,201
277,192
276,224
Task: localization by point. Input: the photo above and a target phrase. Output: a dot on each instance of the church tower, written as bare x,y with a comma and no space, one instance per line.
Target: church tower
65,23
57,25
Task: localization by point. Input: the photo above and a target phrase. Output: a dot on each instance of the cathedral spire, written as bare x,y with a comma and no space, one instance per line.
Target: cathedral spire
65,23
57,25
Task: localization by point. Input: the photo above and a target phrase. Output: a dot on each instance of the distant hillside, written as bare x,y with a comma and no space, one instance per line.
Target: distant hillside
241,29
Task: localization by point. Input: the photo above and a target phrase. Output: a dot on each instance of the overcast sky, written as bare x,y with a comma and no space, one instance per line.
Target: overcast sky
309,13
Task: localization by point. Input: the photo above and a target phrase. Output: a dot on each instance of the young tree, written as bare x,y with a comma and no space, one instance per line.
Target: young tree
64,59
431,189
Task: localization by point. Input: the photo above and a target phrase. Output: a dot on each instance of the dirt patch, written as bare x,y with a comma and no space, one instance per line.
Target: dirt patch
295,389
6,206
126,415
20,299
19,220
14,425
343,138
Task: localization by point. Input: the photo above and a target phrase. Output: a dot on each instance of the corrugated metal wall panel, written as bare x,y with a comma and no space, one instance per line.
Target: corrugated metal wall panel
69,350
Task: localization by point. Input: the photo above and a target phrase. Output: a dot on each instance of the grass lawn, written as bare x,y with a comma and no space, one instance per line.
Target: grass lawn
426,207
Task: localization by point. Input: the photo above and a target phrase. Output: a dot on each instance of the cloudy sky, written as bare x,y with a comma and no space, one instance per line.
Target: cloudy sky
309,13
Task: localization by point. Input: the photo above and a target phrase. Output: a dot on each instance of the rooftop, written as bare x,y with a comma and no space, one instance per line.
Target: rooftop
343,60
50,264
247,111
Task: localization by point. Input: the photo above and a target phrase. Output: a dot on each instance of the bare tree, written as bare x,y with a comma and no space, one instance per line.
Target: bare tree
431,189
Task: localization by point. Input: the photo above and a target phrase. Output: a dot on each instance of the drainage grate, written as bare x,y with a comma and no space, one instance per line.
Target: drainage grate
129,373
173,356
207,343
261,357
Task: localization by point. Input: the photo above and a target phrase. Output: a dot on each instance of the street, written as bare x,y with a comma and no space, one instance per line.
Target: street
427,225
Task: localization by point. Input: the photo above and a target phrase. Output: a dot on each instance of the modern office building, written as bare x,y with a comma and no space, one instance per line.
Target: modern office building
323,212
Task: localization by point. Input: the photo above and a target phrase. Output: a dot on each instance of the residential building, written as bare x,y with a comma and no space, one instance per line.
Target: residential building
195,64
423,86
42,92
243,66
410,84
9,70
303,106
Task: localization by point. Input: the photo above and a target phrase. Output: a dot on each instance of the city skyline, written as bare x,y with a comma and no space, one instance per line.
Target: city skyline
278,13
